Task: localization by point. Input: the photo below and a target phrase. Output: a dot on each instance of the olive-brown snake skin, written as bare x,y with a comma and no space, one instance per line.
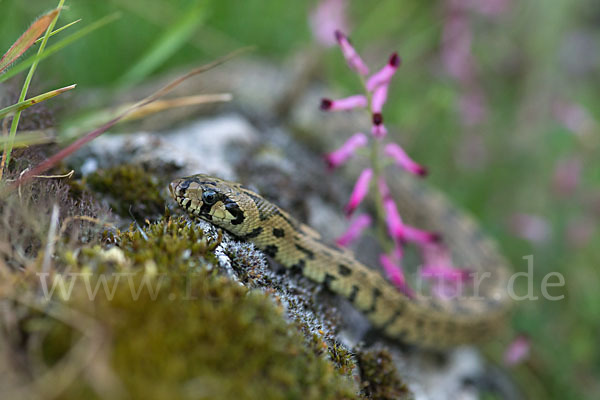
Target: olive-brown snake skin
422,319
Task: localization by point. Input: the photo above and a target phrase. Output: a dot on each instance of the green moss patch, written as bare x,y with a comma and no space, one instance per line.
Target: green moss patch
176,329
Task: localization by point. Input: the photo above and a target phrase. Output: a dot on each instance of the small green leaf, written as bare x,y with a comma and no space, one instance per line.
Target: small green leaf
34,100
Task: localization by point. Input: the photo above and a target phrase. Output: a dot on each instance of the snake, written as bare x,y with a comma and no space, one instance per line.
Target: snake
419,319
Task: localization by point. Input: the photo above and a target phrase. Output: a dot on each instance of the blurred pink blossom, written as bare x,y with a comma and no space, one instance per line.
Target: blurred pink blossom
457,57
491,8
574,117
579,232
346,151
473,107
326,18
416,235
517,351
392,217
352,58
393,270
361,188
567,174
379,98
396,152
378,129
357,226
438,267
396,228
347,103
385,74
530,227
456,45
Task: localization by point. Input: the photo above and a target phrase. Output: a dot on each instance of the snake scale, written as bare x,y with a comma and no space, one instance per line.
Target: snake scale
420,319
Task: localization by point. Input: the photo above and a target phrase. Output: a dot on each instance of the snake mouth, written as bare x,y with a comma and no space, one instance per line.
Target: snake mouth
175,189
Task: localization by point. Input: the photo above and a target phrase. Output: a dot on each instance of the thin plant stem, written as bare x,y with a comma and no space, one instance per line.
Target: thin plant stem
376,162
17,116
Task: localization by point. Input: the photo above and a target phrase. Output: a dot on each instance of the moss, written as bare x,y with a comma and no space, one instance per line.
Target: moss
130,190
197,335
342,358
379,377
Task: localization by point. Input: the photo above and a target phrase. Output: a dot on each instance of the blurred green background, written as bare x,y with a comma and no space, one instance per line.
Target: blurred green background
500,99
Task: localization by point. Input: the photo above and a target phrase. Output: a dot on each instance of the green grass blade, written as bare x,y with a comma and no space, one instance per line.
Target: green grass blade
62,28
171,41
59,45
20,106
17,116
28,139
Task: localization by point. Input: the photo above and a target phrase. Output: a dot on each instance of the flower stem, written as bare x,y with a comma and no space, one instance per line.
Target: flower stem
377,165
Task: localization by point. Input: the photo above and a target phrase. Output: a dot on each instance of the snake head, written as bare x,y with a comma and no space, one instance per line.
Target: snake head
209,198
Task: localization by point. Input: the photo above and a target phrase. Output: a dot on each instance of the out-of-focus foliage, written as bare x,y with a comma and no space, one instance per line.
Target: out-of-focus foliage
499,99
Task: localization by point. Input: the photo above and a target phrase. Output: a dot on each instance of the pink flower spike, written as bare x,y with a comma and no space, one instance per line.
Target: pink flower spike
517,351
347,150
357,226
403,160
361,188
348,103
352,58
394,272
384,75
379,98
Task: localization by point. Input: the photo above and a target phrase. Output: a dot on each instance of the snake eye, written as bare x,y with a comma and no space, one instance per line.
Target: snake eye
209,197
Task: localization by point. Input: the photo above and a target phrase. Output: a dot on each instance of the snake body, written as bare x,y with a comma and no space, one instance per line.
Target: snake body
419,319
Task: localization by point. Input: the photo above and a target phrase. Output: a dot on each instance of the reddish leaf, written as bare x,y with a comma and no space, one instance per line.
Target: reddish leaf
27,39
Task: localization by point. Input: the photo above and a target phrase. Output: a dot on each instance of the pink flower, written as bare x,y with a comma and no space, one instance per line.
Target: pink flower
473,107
378,130
403,160
567,174
361,188
393,220
438,267
517,351
341,155
348,103
413,234
328,16
574,117
384,75
580,231
396,228
352,58
394,272
437,264
491,8
383,188
357,226
379,98
456,45
530,227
